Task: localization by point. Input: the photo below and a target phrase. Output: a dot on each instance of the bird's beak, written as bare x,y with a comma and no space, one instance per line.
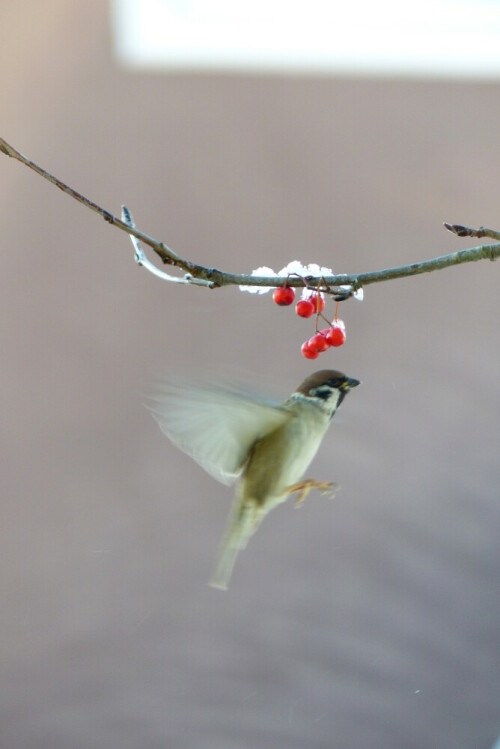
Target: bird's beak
350,383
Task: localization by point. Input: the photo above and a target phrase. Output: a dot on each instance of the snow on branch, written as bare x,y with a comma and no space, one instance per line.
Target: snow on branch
340,286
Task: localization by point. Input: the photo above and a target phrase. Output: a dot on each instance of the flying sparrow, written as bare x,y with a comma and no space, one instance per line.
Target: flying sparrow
266,445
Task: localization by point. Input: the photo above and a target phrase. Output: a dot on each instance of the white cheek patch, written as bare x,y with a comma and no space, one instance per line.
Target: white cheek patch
327,398
333,403
335,399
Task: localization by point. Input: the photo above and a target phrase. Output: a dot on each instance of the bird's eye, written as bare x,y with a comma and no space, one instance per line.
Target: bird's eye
336,382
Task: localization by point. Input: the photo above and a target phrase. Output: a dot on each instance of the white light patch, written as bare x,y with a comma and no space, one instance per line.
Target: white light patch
451,38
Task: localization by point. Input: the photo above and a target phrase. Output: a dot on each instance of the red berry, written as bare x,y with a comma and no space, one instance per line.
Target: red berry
307,352
284,296
305,308
318,306
318,343
336,335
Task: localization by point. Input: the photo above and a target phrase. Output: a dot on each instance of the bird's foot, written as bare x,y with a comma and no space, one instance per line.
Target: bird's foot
304,487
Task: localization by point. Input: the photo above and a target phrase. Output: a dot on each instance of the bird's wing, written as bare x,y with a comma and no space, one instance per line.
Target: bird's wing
215,426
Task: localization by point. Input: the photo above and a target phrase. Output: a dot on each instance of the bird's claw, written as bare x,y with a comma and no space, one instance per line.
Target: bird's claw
304,487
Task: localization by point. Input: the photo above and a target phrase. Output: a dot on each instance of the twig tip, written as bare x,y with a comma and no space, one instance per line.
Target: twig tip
458,229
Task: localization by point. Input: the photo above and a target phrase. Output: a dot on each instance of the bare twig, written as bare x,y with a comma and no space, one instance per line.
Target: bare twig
141,259
165,253
211,277
466,231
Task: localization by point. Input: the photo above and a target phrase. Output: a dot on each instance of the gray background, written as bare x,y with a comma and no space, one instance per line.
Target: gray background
371,621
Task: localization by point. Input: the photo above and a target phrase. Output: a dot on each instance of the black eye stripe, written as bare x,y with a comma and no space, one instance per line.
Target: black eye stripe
323,392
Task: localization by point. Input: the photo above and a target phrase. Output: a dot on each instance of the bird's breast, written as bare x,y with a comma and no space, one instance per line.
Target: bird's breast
281,458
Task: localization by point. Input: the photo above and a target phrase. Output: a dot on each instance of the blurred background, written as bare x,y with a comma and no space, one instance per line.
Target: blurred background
371,620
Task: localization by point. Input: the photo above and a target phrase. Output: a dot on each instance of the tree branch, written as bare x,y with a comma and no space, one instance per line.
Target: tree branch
201,275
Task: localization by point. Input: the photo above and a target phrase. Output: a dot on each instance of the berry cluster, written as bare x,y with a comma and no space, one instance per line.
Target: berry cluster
323,339
310,304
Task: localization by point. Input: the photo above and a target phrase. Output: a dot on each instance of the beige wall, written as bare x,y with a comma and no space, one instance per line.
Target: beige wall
371,621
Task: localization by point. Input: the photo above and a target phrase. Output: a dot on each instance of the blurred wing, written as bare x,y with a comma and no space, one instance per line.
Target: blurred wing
215,426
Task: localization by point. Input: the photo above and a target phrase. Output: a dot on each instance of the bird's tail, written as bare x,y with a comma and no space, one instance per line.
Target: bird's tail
244,520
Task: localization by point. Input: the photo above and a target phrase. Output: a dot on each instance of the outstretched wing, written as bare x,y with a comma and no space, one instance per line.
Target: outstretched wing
215,426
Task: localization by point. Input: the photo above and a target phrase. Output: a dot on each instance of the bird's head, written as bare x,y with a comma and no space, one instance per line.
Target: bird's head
327,388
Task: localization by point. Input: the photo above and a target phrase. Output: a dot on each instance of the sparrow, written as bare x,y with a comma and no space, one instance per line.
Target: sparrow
264,446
